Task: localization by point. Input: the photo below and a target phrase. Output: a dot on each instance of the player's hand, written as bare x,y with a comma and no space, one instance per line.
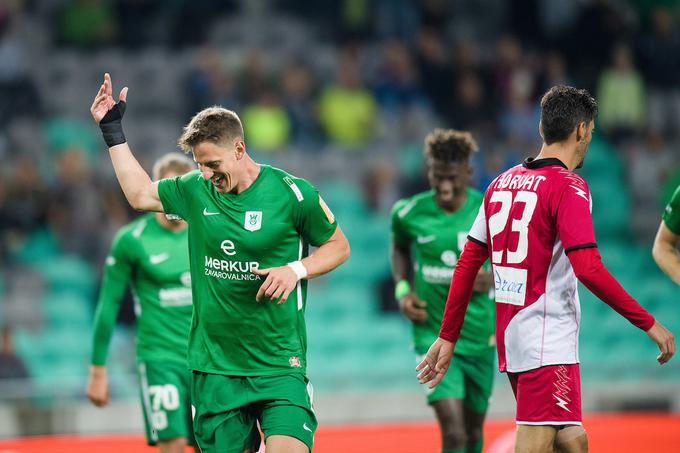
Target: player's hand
278,284
98,386
413,308
664,340
436,362
483,282
103,101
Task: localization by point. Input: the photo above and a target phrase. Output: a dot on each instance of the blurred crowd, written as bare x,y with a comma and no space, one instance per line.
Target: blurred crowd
359,78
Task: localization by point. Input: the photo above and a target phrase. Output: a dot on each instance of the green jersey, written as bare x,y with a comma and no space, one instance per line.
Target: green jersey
154,262
671,215
271,223
436,239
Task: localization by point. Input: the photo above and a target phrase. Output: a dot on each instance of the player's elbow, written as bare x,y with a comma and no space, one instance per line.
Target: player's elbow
344,251
659,252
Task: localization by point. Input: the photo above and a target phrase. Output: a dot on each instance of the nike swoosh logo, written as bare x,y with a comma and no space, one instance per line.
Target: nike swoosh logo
157,259
206,213
305,427
426,239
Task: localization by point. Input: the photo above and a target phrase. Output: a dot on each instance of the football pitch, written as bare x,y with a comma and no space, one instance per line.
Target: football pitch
607,433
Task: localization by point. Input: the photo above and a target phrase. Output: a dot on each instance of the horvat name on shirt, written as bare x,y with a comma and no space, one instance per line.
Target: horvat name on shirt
519,182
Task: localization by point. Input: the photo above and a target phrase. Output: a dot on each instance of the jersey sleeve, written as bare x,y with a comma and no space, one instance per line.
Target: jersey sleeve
574,219
313,218
477,232
671,215
174,193
117,274
400,234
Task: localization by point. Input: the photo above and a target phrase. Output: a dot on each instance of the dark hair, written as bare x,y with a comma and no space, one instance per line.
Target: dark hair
213,124
562,109
449,145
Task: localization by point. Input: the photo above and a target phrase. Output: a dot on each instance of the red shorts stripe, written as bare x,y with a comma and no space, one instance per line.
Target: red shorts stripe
550,395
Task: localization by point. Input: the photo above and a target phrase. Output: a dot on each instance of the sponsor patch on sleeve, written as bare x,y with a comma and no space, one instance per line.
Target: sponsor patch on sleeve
326,210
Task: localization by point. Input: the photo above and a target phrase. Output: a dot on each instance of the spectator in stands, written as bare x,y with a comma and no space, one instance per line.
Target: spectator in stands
25,202
209,83
436,72
621,96
84,212
87,24
11,365
519,115
266,123
650,160
298,87
348,111
472,110
554,72
659,60
17,90
397,86
509,59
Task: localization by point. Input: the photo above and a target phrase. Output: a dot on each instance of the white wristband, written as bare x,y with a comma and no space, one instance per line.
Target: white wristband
299,269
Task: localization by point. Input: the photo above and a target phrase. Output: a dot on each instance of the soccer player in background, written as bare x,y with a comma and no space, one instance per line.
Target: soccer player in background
428,233
150,255
535,224
665,250
250,228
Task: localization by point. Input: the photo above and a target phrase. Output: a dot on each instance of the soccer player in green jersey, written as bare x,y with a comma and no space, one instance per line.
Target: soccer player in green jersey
150,255
429,230
665,250
250,229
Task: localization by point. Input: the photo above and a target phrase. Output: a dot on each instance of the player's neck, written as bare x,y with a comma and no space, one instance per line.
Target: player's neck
172,225
457,203
565,152
250,172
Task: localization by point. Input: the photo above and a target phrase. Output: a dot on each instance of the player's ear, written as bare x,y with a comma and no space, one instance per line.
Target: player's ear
240,149
581,130
540,129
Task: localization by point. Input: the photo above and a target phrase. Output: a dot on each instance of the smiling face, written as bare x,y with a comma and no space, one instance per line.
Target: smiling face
220,164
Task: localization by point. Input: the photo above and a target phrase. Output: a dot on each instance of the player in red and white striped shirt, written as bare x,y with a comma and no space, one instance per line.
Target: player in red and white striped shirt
535,224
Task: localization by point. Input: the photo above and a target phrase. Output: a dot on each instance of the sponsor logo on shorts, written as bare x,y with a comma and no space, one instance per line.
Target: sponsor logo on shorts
562,388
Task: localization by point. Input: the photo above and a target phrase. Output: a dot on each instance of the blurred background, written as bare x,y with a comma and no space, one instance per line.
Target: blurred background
341,92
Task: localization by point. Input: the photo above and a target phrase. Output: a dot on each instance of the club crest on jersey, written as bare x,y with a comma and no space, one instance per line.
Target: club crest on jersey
253,220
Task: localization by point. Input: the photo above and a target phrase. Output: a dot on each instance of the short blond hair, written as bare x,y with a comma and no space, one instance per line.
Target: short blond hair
214,124
172,162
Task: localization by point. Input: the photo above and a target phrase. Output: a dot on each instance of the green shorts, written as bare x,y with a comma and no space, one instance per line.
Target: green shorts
469,378
229,408
165,401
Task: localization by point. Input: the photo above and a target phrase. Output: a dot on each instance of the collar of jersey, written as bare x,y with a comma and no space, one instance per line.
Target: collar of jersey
249,189
533,163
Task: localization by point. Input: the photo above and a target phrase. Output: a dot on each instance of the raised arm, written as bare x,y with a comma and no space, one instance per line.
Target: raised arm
665,252
140,191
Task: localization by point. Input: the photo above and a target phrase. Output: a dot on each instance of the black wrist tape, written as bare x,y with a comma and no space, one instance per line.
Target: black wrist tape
111,126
